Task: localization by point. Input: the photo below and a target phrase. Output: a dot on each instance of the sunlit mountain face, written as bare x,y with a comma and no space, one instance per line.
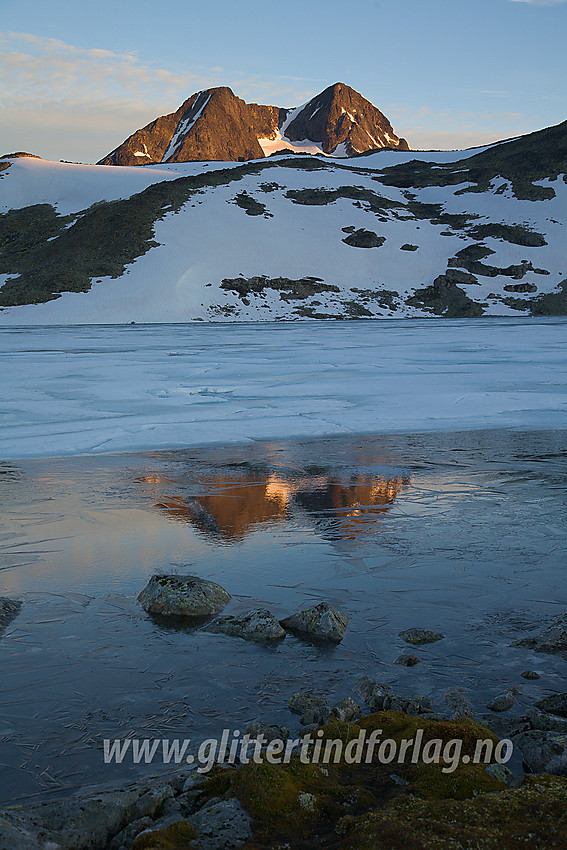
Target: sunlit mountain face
228,505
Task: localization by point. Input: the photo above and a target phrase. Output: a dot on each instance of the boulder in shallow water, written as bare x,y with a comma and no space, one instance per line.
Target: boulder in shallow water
417,637
322,622
554,638
183,596
9,610
554,704
260,625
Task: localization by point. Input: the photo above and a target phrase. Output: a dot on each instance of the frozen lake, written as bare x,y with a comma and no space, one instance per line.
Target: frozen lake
92,388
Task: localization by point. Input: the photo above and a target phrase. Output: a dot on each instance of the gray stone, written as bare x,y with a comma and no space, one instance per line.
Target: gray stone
502,702
259,625
554,638
530,674
409,705
554,704
417,637
372,693
455,698
9,610
312,708
345,710
269,731
129,833
407,660
222,825
549,722
323,622
505,727
501,773
543,752
183,596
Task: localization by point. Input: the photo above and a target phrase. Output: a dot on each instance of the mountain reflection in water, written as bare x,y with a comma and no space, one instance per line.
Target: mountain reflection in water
235,504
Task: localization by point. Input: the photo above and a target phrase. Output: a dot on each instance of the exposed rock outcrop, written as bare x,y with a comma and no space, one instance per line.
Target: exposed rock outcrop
215,124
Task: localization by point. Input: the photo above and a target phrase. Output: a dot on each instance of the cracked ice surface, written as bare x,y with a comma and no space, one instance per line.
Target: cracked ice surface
100,388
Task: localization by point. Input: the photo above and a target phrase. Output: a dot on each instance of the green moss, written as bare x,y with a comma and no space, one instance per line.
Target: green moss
532,817
177,836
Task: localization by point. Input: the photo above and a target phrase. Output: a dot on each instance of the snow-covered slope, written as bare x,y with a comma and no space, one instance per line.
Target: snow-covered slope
288,237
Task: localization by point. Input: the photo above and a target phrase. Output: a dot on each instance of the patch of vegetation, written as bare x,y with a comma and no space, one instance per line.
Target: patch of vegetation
471,257
408,247
386,298
356,310
288,289
321,197
364,239
445,298
546,304
520,287
533,816
516,234
302,805
269,187
537,156
250,204
176,836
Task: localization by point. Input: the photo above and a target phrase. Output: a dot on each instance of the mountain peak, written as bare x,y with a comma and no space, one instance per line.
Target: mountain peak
216,124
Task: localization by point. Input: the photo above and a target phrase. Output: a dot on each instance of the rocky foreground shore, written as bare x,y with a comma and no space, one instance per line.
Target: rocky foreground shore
351,800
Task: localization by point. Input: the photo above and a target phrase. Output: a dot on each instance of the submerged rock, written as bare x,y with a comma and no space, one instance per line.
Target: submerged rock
260,625
9,610
530,674
417,637
323,622
552,640
183,596
502,702
407,660
312,708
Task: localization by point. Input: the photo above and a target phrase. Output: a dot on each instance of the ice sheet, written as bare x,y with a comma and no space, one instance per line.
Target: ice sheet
91,389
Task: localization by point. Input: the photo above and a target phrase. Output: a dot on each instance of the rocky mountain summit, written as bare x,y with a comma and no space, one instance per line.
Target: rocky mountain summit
215,124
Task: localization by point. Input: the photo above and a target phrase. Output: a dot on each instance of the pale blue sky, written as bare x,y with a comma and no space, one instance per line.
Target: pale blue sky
78,77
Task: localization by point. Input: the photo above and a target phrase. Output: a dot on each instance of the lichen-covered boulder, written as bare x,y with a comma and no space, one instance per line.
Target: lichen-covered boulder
183,596
9,610
259,625
543,752
417,637
221,825
322,622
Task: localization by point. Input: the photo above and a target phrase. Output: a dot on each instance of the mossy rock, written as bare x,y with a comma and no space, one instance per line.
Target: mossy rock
176,836
302,804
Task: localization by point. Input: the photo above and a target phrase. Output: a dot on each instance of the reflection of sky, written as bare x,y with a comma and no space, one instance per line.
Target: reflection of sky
471,544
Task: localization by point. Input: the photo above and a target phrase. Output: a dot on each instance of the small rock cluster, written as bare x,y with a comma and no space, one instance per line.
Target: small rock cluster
194,598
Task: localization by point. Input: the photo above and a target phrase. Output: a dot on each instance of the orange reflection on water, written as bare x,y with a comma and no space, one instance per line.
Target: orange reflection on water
234,506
